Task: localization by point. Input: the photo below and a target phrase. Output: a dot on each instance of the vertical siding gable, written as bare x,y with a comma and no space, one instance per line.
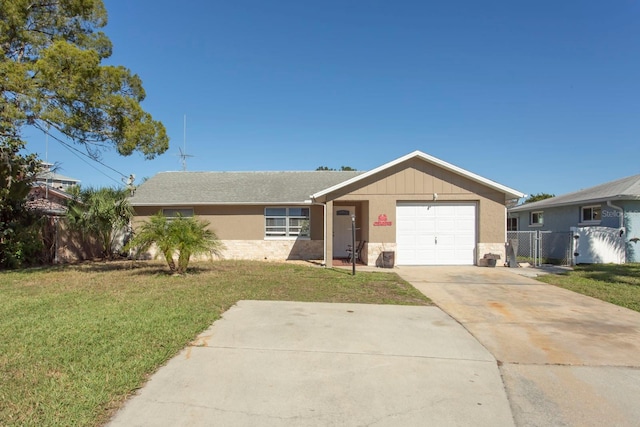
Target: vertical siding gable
412,178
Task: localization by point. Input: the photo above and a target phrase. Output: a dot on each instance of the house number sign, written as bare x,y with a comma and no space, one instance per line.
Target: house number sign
382,221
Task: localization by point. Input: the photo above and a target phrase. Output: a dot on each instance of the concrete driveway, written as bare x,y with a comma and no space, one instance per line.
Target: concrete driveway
271,363
566,359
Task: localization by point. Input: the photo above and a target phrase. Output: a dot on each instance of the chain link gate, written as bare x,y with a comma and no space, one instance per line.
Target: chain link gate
543,247
526,241
555,247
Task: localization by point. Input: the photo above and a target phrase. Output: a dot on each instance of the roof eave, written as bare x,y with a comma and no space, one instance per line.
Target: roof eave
532,206
186,203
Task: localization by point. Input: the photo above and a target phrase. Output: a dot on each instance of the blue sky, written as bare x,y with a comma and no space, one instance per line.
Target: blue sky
541,96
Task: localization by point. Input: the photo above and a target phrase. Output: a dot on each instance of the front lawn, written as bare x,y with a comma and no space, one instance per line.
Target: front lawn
617,284
75,341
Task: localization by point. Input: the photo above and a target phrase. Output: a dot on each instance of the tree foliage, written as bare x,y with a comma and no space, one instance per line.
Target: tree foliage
538,196
342,168
20,242
102,213
185,236
52,77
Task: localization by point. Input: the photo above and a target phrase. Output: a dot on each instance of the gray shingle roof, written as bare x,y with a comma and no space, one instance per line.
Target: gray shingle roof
621,189
205,188
48,175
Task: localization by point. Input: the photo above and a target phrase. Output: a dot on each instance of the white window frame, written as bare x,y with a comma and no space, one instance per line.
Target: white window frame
171,213
590,221
291,232
540,222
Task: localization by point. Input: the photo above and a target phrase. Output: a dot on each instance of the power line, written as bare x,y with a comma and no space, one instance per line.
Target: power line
92,166
79,153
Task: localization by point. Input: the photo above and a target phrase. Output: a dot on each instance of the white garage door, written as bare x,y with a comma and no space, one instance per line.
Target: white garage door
435,234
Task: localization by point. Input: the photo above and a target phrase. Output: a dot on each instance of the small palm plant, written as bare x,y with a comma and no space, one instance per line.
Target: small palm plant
185,235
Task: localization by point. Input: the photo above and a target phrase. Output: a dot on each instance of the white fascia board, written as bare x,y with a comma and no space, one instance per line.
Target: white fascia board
441,163
535,206
143,204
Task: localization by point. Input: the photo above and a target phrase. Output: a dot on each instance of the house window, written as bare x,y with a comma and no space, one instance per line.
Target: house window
590,214
286,222
537,218
175,212
512,224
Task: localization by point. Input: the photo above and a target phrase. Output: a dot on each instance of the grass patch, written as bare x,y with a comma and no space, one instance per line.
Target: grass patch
75,341
617,284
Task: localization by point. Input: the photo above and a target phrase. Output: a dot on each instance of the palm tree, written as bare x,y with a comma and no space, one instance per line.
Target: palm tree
185,235
101,213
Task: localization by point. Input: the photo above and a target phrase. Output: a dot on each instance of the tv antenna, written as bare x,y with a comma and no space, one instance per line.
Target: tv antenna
183,151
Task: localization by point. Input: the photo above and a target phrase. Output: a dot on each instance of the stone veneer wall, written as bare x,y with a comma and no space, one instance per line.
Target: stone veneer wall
492,248
273,250
372,252
263,250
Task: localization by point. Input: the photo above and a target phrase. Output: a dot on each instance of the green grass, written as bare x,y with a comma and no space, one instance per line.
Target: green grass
617,284
75,341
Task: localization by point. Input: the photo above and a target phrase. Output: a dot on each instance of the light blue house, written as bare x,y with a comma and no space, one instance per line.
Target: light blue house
611,209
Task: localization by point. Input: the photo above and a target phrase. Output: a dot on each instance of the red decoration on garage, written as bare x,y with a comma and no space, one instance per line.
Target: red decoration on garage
382,221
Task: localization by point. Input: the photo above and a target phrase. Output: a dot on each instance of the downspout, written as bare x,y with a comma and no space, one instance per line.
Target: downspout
620,217
620,226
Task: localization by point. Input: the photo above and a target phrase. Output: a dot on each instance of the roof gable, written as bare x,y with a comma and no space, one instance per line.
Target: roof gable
622,189
509,192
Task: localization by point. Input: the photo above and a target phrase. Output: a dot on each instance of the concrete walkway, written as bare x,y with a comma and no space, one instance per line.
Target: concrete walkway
566,359
314,364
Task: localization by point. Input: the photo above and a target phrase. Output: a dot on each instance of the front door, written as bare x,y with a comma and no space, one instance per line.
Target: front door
342,230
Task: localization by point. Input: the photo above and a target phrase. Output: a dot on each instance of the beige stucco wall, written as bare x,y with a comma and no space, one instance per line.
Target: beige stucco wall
241,229
238,222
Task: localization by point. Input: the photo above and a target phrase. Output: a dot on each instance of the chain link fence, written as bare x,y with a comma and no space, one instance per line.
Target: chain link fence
526,243
555,247
542,247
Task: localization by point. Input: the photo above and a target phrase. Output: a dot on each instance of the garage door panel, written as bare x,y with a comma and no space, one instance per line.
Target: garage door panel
446,241
405,226
424,240
422,211
445,256
425,226
408,241
424,254
466,224
444,210
443,234
445,225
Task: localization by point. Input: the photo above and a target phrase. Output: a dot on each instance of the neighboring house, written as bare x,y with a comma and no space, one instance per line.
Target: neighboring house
605,220
55,180
425,210
61,243
47,199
